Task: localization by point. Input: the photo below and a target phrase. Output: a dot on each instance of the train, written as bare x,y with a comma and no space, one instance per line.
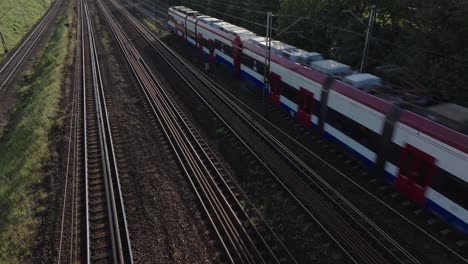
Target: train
418,152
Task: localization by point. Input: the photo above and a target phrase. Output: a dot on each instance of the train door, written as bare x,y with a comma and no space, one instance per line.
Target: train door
416,172
305,103
275,88
236,55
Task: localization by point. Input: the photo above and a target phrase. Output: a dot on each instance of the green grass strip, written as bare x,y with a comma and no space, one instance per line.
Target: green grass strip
25,147
151,25
17,17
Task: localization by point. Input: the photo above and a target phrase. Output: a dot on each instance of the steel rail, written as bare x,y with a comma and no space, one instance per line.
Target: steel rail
105,221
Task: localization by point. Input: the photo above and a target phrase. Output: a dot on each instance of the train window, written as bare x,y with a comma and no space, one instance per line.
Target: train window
334,119
352,129
393,154
247,60
451,187
191,34
260,66
289,92
203,41
408,158
227,49
424,169
218,44
362,133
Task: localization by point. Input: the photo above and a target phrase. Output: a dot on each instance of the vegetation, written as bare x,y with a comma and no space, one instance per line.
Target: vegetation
17,17
24,148
422,44
151,25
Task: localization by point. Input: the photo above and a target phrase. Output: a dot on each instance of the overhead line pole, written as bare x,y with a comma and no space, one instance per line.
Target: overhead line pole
266,68
370,26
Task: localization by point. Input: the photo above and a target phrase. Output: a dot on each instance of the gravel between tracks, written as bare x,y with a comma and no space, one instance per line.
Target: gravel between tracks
165,224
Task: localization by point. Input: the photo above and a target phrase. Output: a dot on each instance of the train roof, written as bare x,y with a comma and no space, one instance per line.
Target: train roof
448,114
239,31
210,20
452,111
330,67
301,56
222,24
359,80
276,46
192,13
182,8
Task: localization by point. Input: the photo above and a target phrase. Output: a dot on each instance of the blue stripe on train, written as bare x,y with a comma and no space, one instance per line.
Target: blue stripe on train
291,112
224,61
369,164
447,216
250,78
389,178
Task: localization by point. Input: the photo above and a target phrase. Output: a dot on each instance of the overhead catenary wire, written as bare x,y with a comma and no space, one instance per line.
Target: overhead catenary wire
246,3
376,60
147,2
229,15
227,6
377,39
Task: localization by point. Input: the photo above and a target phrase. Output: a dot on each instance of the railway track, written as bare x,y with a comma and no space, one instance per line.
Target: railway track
349,228
99,231
218,193
15,60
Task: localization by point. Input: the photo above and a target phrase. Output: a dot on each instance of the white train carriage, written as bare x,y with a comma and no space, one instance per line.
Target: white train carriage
432,167
293,86
177,15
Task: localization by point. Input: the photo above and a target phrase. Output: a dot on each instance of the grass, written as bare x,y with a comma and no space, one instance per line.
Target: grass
16,19
150,24
24,148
